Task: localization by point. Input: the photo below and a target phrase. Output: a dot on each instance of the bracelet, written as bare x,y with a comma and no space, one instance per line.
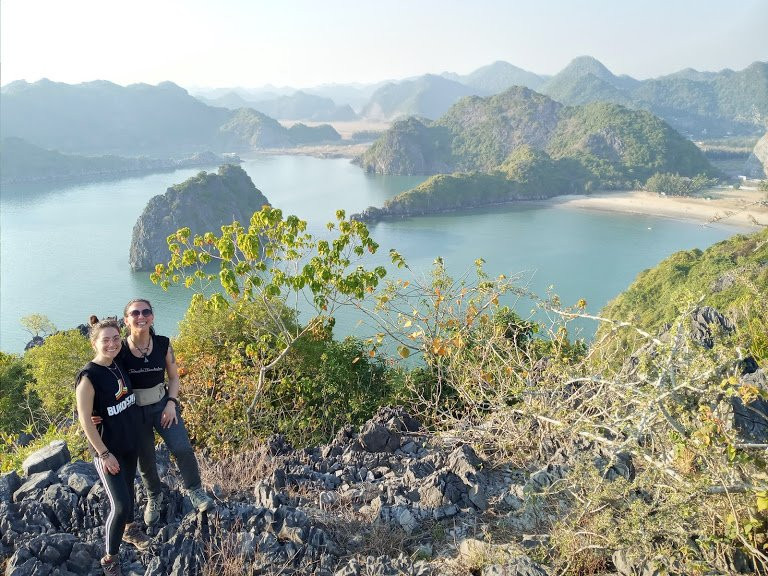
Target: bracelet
174,400
105,455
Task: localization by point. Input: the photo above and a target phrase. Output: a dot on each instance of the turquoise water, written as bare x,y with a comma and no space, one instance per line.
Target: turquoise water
64,251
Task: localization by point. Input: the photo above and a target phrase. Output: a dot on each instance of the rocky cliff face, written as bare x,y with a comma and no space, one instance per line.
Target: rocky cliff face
757,164
203,203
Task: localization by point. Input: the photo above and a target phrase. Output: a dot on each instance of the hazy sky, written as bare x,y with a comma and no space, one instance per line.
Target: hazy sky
300,43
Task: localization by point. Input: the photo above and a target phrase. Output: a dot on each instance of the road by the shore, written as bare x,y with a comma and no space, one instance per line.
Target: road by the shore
745,208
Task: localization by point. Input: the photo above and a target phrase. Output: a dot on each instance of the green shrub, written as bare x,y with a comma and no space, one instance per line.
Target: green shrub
53,367
15,409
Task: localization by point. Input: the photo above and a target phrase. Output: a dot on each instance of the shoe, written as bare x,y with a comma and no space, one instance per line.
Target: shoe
134,535
111,566
152,509
201,500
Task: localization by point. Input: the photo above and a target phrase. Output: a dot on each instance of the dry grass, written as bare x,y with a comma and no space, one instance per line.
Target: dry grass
238,472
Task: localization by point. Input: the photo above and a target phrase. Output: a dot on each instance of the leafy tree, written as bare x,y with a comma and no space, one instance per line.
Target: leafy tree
275,263
13,397
676,185
38,325
53,367
763,186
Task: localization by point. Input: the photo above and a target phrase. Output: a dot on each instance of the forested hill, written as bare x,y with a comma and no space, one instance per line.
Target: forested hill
478,134
524,145
96,118
202,203
726,276
697,104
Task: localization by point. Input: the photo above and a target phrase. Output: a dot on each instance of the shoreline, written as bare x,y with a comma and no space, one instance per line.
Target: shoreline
746,209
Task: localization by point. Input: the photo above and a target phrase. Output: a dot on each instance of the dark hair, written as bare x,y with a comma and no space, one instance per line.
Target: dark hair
95,325
147,302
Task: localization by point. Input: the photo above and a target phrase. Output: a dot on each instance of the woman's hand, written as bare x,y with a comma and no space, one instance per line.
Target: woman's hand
110,464
168,418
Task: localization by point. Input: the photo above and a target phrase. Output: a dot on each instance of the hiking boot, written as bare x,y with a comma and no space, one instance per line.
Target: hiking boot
152,509
200,500
111,566
134,535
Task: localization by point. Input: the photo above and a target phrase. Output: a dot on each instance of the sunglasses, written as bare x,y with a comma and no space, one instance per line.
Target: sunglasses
136,313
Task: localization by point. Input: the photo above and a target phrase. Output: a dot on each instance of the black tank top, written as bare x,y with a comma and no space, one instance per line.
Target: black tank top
115,402
146,372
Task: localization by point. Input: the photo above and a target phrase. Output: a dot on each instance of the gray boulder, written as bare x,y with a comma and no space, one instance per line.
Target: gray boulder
52,457
35,482
9,483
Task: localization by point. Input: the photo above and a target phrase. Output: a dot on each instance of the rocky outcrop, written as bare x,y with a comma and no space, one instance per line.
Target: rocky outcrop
203,203
382,501
757,163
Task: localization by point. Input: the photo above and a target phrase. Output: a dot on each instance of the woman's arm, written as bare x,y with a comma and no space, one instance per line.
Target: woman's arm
168,418
85,394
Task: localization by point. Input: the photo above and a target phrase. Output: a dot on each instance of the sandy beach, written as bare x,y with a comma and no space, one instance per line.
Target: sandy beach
736,208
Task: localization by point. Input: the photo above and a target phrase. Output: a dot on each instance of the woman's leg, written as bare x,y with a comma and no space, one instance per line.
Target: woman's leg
177,440
120,500
146,450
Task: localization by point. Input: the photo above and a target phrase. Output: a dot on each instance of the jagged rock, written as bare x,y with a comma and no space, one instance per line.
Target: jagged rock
52,457
627,565
703,321
9,483
34,483
80,476
203,203
750,420
34,343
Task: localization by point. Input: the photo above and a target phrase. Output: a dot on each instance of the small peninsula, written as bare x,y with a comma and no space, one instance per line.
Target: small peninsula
203,202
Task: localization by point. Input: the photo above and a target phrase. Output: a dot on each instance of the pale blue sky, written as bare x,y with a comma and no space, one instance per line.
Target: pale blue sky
303,43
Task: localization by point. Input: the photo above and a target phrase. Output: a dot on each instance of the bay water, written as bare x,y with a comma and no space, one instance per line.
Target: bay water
64,249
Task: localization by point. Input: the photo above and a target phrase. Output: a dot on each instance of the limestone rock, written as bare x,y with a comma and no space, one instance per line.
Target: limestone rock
203,203
52,457
757,163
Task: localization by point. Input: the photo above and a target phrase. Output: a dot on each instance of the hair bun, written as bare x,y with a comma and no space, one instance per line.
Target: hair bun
93,320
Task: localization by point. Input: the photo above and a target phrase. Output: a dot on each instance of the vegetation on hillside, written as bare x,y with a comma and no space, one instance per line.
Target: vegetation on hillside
595,146
632,439
728,276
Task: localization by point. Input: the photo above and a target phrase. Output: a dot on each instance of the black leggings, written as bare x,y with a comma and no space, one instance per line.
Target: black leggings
120,491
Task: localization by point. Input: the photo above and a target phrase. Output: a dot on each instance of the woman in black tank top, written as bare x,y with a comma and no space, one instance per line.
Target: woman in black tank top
104,390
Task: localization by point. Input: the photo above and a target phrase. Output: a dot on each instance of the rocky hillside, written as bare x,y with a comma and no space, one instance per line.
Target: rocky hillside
203,203
385,500
757,163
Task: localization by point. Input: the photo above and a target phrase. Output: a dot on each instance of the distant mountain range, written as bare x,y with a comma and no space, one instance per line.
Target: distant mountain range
698,104
297,106
97,118
21,161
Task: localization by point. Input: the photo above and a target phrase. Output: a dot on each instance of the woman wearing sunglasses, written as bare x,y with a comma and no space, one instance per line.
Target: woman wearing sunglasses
151,366
104,390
